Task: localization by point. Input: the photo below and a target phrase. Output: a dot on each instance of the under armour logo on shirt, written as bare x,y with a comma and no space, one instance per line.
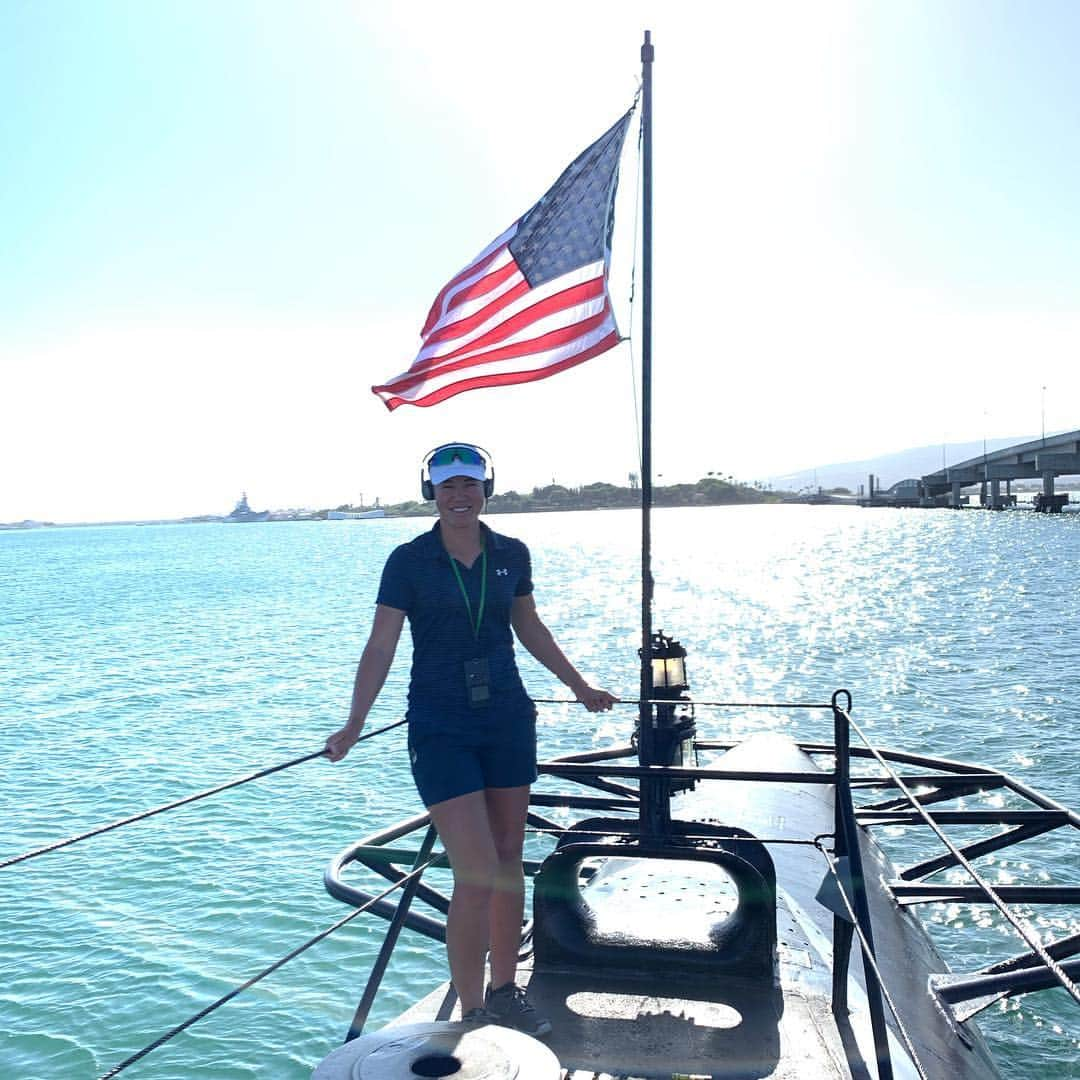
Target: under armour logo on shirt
502,573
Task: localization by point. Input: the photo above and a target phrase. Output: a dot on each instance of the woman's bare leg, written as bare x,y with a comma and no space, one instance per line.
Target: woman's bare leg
465,830
507,809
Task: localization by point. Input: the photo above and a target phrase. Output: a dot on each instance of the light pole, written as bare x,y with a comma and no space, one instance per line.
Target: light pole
986,470
1044,416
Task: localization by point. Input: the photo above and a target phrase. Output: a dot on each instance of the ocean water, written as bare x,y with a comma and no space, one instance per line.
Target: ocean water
141,664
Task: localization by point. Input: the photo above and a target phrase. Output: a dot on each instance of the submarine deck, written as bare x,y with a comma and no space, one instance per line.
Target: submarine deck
657,1017
611,1027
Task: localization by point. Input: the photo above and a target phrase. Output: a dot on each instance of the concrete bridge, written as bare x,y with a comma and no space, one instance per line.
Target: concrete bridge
1045,459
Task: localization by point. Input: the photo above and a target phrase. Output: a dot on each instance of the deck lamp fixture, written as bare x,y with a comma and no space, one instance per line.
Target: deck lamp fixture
668,659
673,719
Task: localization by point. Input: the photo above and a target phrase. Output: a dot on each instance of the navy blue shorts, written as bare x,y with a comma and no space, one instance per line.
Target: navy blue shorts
446,765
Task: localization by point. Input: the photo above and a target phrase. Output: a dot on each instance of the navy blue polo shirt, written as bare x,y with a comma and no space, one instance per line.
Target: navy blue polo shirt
419,580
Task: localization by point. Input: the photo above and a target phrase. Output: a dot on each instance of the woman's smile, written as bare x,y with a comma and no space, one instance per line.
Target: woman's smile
460,498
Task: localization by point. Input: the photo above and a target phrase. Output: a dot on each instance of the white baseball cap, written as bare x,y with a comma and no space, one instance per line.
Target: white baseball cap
456,459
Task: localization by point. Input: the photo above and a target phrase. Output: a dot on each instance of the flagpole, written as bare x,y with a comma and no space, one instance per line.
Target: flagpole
651,812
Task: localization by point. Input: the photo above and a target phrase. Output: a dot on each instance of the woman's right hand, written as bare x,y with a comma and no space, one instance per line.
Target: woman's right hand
341,742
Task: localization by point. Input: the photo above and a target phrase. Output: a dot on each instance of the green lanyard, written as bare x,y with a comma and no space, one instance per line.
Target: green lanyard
483,591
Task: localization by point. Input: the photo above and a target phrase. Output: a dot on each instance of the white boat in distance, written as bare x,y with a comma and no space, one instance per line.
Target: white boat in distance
354,515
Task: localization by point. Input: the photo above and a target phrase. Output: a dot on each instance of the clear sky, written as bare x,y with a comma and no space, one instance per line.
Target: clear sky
222,222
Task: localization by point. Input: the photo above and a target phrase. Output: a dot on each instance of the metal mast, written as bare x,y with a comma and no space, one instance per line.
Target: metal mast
653,802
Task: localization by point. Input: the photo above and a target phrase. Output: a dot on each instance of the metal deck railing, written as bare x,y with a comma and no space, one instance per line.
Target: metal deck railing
924,784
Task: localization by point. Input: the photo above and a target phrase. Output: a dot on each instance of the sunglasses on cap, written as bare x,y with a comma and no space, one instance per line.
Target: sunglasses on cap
464,455
446,461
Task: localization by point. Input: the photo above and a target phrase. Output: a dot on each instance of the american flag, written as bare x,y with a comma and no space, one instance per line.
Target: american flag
534,302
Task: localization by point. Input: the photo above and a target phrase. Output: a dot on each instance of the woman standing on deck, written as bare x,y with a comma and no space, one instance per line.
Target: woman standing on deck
472,726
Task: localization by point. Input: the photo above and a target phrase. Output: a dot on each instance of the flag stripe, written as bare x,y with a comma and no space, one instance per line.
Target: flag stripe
497,313
532,361
477,316
565,331
565,308
505,275
504,378
553,339
455,318
495,279
573,305
486,258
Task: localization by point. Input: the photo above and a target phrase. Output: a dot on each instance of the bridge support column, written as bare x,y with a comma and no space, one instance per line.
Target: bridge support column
995,494
957,500
1048,502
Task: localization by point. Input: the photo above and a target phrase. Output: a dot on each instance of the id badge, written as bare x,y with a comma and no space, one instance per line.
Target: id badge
477,688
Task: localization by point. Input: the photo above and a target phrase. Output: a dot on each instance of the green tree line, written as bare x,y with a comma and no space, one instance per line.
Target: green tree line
709,491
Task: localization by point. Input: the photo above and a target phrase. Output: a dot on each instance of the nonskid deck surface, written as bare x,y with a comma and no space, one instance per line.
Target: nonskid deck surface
647,1023
605,1026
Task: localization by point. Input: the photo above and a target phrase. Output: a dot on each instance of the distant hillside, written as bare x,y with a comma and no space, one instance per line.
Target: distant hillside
888,468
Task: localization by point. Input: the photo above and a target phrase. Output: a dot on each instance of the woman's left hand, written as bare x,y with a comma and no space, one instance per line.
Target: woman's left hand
595,700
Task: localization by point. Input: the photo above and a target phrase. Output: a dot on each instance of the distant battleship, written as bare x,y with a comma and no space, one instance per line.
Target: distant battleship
243,512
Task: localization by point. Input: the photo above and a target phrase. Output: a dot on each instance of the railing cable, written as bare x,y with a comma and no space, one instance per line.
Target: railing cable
224,999
717,704
633,290
180,802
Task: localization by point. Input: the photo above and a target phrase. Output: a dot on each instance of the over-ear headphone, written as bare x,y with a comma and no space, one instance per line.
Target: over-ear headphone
427,488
